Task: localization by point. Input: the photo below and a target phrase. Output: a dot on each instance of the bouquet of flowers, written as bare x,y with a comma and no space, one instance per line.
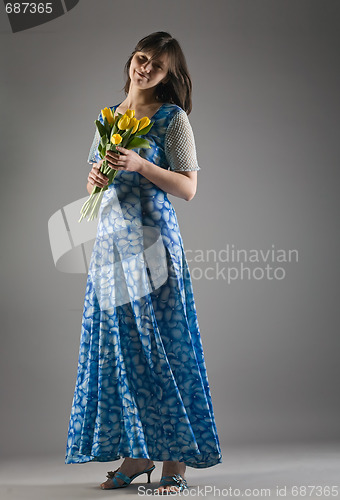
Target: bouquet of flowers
123,130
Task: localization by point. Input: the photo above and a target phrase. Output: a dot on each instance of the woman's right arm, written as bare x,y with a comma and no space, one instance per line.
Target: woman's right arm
96,178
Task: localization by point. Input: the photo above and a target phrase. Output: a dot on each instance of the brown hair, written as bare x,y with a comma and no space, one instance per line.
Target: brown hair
178,88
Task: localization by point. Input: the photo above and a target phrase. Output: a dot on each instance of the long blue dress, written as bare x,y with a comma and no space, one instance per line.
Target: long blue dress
142,389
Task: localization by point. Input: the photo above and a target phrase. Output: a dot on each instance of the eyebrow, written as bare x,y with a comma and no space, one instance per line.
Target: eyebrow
155,60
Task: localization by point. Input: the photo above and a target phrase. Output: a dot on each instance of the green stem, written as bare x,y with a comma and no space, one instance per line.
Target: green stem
96,207
87,206
95,203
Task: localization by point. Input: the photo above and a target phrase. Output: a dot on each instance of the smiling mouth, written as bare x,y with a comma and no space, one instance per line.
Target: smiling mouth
143,76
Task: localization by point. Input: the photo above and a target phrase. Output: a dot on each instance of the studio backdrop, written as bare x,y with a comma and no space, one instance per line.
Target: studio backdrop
260,235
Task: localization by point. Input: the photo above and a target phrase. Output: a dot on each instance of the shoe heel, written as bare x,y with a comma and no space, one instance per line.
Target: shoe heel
149,474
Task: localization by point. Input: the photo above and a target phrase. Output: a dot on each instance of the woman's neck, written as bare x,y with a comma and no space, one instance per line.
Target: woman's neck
139,99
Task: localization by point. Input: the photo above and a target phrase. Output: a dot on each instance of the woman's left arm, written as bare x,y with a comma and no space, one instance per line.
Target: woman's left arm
181,184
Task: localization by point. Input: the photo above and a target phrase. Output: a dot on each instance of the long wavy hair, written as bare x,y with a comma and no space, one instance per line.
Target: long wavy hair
178,87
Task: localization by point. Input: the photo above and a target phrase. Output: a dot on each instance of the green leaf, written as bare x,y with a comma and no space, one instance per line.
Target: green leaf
101,128
137,142
96,190
126,137
112,174
104,141
105,188
115,127
124,134
112,147
107,126
145,130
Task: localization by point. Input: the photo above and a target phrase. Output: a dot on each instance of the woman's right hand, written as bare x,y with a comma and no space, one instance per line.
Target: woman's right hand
97,178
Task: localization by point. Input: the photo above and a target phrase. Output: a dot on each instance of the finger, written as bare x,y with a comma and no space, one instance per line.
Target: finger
122,150
100,179
99,175
98,183
111,161
116,163
111,164
112,154
95,172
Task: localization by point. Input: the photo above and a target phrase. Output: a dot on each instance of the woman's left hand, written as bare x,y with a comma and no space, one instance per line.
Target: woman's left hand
127,160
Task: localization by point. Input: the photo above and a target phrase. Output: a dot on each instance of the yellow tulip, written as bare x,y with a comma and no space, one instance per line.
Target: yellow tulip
134,123
107,113
130,113
116,139
143,122
124,122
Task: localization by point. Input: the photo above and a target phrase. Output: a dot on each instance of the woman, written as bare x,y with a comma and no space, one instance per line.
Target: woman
142,390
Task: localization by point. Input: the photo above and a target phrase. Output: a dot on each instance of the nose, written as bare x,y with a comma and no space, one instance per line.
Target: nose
146,66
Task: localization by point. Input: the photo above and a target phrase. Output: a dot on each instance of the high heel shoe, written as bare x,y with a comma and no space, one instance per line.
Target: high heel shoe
174,480
127,480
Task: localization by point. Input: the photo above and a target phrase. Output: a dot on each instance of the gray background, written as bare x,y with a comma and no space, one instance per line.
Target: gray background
266,122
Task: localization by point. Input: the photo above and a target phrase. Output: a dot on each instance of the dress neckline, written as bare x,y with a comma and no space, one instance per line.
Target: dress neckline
152,117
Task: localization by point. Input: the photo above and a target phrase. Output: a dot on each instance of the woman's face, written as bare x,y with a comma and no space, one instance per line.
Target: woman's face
146,73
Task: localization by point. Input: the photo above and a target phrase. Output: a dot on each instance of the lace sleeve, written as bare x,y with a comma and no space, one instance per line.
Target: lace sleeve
180,149
95,143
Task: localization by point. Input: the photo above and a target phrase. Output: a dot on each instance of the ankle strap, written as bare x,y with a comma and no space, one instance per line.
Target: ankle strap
123,476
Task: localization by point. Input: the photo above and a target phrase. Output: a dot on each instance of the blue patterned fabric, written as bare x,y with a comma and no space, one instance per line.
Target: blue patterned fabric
142,389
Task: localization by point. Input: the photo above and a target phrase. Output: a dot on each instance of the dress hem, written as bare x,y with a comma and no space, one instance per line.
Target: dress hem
80,459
